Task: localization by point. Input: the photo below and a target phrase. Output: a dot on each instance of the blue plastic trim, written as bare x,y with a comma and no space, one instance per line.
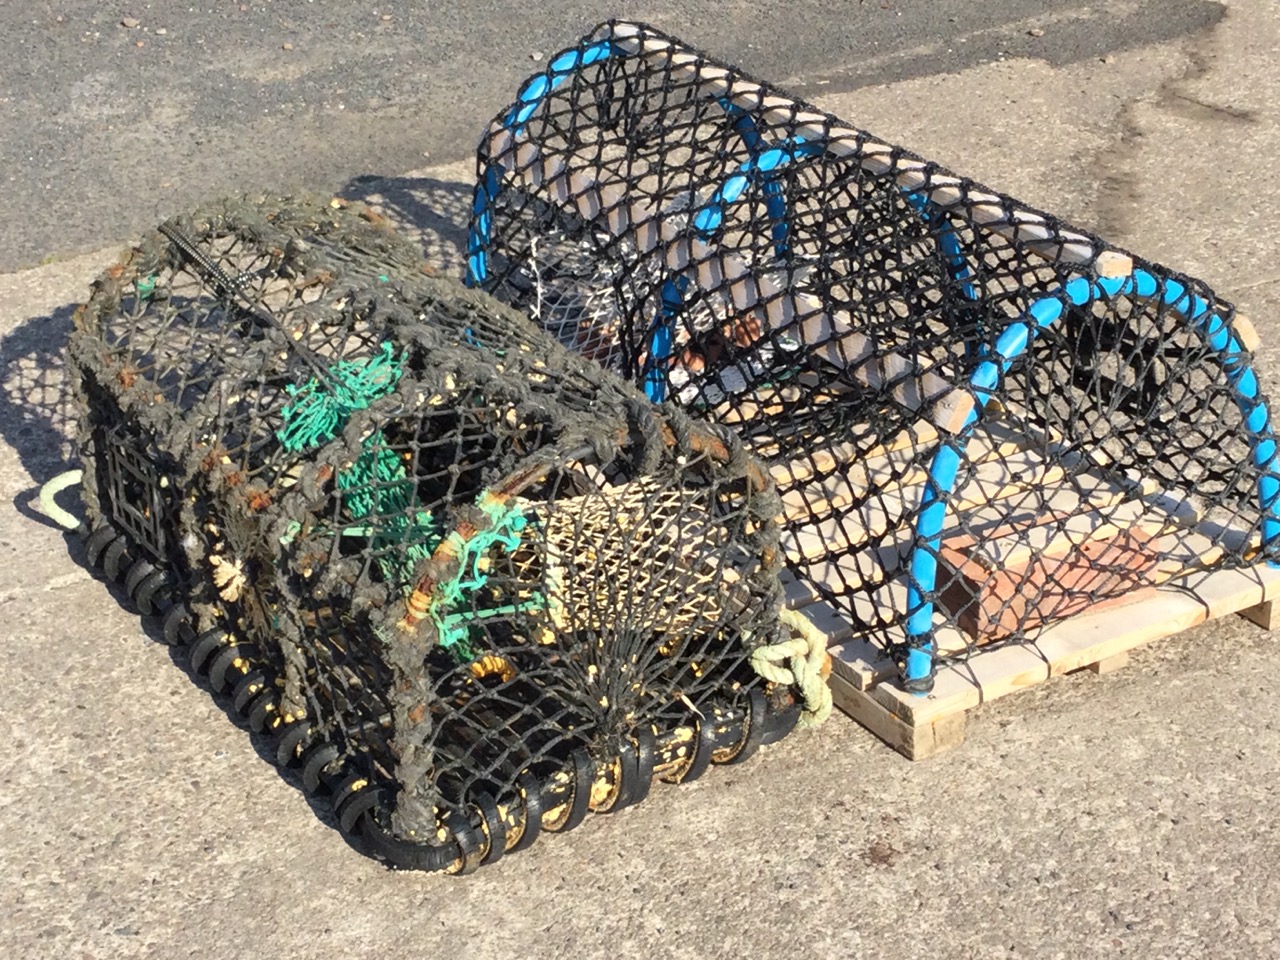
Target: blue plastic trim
745,126
660,343
762,163
530,97
481,230
948,242
762,166
558,71
1012,343
957,264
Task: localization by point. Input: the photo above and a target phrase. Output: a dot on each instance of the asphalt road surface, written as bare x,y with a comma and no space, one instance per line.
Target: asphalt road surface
115,114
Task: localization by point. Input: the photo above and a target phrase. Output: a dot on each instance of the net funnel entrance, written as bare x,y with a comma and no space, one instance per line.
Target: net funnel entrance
475,585
981,420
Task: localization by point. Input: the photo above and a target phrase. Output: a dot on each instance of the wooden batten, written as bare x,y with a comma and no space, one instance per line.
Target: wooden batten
1115,517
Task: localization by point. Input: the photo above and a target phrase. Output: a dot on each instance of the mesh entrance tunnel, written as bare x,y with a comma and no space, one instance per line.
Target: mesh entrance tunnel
981,420
474,585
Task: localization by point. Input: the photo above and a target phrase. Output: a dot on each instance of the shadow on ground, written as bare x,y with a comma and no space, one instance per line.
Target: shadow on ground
37,414
38,419
433,213
37,408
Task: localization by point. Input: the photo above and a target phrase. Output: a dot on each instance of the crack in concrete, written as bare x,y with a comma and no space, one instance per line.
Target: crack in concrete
1210,110
1118,192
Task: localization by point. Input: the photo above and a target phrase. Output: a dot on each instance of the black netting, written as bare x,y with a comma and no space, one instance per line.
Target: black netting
475,583
980,419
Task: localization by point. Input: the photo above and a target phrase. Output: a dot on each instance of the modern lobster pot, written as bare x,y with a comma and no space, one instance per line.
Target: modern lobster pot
981,420
473,584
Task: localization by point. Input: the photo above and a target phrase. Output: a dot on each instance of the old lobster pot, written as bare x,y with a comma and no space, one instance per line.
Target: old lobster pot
475,585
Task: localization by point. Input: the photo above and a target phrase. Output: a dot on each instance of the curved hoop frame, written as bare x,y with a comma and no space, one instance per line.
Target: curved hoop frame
931,197
939,488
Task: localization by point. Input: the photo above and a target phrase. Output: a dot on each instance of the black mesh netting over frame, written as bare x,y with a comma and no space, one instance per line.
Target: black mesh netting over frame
980,419
476,582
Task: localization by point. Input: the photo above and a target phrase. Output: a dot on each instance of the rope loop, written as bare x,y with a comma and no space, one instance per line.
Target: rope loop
807,666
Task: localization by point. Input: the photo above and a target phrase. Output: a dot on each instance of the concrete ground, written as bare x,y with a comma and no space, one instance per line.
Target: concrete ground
116,113
1128,815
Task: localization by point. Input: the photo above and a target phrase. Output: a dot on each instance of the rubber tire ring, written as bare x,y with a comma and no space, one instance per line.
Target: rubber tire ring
584,771
620,795
314,764
358,806
495,827
152,597
115,557
646,760
533,810
204,646
97,542
468,839
261,709
704,744
405,854
295,734
177,629
345,790
222,662
753,722
780,723
244,693
139,571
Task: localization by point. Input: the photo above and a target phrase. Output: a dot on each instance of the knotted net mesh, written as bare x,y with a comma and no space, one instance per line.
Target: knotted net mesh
981,420
475,584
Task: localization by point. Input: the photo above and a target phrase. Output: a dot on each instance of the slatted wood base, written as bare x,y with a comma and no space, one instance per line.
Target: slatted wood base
863,684
1001,532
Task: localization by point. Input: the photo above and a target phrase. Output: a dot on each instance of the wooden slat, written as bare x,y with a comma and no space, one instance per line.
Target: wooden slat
1245,332
1178,605
1013,472
828,458
1219,593
797,593
1110,665
997,214
569,180
915,742
872,581
1079,493
1266,615
1067,531
864,664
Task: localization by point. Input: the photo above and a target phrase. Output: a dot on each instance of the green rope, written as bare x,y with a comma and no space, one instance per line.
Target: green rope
320,410
378,488
49,506
376,485
454,629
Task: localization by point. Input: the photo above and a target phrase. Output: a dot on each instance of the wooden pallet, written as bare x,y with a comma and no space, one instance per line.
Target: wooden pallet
1167,601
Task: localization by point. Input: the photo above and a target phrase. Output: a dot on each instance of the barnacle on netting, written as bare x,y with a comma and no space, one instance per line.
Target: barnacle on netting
450,562
980,419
